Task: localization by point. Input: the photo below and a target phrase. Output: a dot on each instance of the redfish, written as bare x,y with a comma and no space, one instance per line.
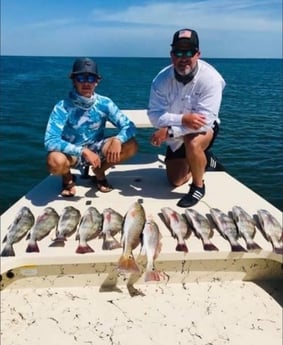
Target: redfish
151,247
178,226
131,237
112,224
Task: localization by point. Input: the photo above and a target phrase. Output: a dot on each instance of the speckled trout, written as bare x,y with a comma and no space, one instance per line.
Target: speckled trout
22,223
45,222
131,237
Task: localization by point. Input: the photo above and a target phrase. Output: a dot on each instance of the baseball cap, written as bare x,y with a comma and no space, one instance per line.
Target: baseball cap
85,65
185,39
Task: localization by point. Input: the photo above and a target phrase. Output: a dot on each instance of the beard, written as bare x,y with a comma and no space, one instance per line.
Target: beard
187,70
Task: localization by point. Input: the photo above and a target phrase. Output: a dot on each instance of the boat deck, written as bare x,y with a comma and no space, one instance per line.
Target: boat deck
219,297
143,179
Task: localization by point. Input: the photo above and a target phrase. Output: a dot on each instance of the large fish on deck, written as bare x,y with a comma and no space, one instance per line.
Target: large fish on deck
112,224
246,226
227,229
46,222
202,228
271,229
151,247
67,225
22,223
131,237
178,226
89,228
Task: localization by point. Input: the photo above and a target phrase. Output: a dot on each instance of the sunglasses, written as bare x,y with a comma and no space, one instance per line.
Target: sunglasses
89,78
185,53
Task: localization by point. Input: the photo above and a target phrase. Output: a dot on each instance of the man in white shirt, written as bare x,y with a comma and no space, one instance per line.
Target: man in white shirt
184,103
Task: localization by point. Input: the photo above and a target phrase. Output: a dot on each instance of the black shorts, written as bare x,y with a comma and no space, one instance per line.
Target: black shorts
181,153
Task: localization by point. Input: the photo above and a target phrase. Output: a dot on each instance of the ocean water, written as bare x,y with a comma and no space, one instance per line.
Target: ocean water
249,144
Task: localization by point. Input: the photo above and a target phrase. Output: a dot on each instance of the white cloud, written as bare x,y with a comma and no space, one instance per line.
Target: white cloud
220,15
227,28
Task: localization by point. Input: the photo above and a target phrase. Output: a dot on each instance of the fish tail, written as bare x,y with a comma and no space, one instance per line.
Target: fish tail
32,247
209,246
236,247
253,246
278,249
8,250
58,242
82,249
111,244
151,276
182,247
128,264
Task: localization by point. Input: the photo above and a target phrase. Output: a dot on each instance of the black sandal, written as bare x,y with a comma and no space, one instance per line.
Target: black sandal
67,187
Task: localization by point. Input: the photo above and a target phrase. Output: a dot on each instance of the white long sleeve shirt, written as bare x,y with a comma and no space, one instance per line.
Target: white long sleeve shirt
170,99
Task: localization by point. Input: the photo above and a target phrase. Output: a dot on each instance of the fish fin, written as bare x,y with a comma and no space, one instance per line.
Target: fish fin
182,247
84,249
151,276
28,236
8,250
253,246
128,264
209,246
236,247
32,247
4,239
111,244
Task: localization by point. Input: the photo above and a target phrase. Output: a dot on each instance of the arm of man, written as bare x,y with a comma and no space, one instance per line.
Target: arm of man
126,127
53,135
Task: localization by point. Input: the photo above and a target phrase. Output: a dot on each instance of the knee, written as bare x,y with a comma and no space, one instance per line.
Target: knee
131,147
56,163
135,146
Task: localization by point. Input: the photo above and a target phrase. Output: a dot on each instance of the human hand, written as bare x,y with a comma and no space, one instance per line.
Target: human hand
112,150
193,120
92,158
159,136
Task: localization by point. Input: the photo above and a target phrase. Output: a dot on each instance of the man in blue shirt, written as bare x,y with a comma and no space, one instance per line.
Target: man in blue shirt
75,131
184,102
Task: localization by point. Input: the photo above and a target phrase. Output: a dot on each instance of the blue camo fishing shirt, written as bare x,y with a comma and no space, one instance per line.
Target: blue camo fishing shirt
71,128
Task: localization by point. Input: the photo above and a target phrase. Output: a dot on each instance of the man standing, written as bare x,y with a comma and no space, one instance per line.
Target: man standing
184,103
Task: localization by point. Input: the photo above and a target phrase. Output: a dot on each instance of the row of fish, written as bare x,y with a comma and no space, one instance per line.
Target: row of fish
89,225
238,224
134,227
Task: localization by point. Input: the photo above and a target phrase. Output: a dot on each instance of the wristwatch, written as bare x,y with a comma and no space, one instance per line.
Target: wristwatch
170,132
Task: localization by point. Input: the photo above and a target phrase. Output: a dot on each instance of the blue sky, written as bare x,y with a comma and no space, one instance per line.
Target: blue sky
140,28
